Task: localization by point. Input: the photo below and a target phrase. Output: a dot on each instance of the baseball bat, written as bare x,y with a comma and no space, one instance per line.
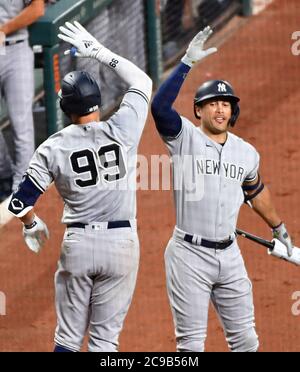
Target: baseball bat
275,247
256,239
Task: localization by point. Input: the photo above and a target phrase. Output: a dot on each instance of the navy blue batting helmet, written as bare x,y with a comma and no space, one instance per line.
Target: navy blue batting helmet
218,89
79,94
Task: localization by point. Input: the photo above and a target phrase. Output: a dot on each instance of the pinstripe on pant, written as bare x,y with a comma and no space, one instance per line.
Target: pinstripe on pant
17,86
197,275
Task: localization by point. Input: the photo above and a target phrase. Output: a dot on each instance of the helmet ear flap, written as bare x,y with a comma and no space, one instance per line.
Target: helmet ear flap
63,108
62,105
195,112
235,115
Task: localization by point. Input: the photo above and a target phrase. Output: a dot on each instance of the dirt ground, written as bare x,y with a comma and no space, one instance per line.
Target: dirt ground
258,61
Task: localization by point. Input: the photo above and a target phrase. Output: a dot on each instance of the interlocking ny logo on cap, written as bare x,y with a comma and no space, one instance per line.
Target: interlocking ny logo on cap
222,88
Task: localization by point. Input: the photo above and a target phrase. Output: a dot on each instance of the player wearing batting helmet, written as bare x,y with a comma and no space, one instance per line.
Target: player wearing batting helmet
93,166
214,171
217,89
80,94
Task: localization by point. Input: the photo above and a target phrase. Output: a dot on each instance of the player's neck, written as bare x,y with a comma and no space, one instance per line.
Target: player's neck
220,138
94,116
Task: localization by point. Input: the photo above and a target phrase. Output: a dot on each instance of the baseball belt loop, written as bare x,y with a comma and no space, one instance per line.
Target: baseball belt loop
179,233
197,239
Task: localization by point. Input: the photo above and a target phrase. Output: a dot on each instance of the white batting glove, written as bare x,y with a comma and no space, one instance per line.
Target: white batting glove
84,44
282,235
195,51
36,234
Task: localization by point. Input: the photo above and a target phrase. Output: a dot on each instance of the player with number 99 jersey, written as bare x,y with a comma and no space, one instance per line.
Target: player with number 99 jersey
93,166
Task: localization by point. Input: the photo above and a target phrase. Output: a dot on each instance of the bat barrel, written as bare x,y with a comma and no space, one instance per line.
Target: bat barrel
280,251
275,248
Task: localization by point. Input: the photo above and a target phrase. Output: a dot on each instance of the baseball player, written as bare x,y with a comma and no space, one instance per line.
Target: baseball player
17,87
93,166
213,171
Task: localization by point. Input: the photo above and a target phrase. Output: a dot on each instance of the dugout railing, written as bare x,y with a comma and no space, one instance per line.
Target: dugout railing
151,33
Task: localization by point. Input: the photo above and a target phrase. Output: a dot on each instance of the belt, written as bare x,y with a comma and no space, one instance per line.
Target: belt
209,244
12,42
110,225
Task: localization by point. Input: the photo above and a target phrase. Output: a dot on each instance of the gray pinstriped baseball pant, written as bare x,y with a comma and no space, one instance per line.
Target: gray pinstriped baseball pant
197,275
17,86
94,285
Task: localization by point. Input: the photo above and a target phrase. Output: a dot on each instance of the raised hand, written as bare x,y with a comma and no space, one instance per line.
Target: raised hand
195,51
84,44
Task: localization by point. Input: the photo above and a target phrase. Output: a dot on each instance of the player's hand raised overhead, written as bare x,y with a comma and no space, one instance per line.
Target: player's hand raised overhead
195,51
84,44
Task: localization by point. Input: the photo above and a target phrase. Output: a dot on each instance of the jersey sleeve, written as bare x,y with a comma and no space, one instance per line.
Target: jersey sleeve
129,121
177,144
254,166
39,170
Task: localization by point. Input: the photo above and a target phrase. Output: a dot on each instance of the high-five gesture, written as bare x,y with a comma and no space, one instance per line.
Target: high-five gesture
195,51
84,44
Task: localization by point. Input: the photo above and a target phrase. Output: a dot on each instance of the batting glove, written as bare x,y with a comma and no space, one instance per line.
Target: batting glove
280,233
84,44
36,235
195,51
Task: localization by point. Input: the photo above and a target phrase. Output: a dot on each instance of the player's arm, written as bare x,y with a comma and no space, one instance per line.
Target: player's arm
26,17
167,120
85,45
259,197
34,184
35,231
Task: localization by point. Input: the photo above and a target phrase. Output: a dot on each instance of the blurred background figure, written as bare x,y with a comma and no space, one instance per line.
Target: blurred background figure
182,18
17,88
177,20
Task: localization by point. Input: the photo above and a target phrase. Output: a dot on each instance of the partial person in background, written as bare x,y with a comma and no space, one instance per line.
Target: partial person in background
17,88
177,21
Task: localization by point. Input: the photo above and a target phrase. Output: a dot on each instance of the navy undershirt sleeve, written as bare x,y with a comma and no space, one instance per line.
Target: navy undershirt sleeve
168,121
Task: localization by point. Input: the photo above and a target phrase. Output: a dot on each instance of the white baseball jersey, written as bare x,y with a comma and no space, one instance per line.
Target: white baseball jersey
207,181
10,9
94,165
